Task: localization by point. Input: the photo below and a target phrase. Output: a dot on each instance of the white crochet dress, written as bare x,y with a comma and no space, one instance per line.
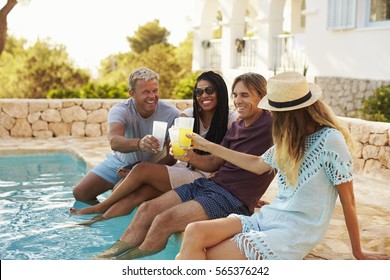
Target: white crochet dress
297,219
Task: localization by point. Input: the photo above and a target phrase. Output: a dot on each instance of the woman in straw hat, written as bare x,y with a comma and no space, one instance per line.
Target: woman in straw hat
311,155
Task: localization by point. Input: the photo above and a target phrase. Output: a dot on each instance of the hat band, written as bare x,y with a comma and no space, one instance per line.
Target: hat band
290,103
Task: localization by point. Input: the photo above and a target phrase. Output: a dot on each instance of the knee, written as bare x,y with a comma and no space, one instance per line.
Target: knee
146,208
164,220
195,231
79,194
140,168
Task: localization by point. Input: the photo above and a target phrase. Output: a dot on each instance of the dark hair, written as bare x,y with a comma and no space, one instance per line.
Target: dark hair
219,123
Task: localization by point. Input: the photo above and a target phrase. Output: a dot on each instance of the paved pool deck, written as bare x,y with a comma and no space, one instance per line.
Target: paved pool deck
372,196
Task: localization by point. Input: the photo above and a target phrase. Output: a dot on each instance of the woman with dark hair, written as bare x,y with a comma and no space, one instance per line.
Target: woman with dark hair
149,180
218,126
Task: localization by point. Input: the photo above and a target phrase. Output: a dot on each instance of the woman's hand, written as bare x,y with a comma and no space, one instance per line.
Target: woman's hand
199,143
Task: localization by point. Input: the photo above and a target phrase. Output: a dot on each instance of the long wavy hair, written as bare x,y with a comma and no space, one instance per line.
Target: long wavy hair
219,123
289,131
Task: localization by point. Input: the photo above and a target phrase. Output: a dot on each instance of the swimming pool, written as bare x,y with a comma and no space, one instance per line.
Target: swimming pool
35,224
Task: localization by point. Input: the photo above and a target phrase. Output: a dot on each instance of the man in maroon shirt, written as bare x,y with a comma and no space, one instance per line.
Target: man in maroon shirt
230,190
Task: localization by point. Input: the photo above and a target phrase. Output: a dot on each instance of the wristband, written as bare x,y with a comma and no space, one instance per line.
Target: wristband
138,146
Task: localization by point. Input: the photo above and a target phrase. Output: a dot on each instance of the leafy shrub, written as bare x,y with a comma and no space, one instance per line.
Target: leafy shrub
377,106
184,88
91,90
63,93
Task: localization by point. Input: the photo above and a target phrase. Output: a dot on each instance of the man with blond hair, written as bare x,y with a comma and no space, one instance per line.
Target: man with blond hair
130,125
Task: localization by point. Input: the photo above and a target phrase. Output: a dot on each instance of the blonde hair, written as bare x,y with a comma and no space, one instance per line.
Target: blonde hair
289,131
142,73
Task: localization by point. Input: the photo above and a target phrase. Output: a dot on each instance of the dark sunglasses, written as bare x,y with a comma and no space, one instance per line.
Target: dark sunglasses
208,90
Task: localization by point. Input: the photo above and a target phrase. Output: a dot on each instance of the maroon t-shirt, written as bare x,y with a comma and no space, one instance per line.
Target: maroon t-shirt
255,139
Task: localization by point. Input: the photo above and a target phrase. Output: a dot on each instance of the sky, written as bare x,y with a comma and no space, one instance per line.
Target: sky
93,29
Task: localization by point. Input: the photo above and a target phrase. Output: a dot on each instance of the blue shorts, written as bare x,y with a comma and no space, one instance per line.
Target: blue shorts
216,201
108,169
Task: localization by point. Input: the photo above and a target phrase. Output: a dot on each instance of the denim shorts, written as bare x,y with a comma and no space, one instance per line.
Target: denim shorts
108,169
216,201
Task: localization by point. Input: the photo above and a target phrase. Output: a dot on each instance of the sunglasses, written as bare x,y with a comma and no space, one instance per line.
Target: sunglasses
208,90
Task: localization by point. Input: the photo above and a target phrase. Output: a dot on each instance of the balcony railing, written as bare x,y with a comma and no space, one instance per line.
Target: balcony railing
213,54
246,57
289,54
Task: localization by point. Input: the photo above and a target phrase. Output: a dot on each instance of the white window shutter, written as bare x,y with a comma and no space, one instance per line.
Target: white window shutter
341,14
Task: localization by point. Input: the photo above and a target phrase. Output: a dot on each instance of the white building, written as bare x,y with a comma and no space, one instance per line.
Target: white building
325,38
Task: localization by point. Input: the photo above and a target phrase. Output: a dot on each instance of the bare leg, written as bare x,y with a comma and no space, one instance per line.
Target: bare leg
211,240
139,226
90,187
168,222
92,221
126,205
115,250
144,173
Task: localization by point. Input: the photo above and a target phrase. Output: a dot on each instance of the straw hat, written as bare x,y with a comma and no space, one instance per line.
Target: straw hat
289,91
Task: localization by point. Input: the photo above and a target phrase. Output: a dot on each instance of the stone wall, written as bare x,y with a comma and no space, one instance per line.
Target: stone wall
345,95
45,118
88,118
372,151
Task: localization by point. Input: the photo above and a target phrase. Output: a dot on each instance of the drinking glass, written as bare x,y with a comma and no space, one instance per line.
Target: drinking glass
178,152
185,127
159,131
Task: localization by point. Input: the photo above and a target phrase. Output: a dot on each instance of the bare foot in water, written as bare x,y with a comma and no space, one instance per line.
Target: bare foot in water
92,221
136,253
87,210
115,250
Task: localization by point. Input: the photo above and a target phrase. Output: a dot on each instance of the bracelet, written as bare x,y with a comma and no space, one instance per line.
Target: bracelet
139,148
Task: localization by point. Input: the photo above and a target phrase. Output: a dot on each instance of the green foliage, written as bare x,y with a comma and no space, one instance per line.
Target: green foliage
217,33
45,70
171,63
116,68
148,35
169,71
185,87
91,90
377,106
31,72
184,54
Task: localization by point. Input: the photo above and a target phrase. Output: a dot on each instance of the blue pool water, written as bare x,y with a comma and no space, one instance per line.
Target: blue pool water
35,197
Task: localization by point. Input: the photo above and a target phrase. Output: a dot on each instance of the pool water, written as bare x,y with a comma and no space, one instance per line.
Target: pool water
35,223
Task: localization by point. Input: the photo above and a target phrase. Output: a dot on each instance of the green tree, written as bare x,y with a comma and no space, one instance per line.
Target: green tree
169,70
31,72
170,62
217,33
11,63
116,68
184,55
377,106
148,35
185,87
3,22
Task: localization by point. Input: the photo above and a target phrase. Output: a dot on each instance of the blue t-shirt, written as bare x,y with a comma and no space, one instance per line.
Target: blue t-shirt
136,126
